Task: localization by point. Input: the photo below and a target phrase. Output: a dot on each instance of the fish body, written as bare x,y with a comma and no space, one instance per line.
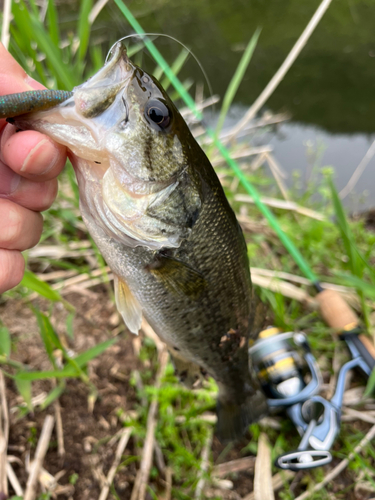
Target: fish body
158,214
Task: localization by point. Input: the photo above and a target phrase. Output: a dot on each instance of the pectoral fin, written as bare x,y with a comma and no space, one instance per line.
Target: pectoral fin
127,305
177,276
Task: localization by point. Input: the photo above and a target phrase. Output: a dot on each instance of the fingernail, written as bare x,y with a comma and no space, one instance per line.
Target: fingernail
33,84
9,180
41,158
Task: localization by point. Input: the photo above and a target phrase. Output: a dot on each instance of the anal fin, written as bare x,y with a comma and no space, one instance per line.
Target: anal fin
127,305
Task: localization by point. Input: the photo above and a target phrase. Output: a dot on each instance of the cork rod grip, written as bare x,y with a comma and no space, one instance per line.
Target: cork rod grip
335,311
340,316
366,341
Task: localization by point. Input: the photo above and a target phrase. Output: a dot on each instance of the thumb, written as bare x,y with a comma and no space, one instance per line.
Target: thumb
13,78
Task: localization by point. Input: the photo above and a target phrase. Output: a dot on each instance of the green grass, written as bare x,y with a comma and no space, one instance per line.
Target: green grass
339,250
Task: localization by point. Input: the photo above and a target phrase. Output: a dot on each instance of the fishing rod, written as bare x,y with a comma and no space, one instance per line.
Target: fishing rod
335,311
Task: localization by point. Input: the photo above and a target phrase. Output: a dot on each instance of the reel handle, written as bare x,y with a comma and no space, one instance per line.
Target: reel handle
303,459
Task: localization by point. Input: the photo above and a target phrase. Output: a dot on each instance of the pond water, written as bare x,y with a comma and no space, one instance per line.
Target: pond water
329,91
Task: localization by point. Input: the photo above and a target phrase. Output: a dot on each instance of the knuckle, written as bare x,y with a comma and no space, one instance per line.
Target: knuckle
12,226
12,267
48,194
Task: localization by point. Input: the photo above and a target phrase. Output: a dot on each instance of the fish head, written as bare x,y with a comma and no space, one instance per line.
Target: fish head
122,116
129,147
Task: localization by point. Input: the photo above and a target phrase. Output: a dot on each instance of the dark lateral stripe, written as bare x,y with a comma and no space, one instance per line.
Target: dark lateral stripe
34,100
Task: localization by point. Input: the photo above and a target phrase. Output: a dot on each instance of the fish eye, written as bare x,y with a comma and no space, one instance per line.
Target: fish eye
158,113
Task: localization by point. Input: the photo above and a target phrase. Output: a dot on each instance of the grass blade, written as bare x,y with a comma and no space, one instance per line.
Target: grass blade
65,78
41,287
50,339
176,66
54,394
349,280
53,26
85,357
96,56
69,325
5,342
370,387
69,371
30,29
237,79
24,388
345,231
84,29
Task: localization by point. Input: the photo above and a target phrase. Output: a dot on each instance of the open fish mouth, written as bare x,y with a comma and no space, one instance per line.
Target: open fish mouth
82,121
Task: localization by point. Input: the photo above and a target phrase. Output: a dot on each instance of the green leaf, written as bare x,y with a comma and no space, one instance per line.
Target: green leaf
94,352
346,234
236,80
69,325
97,59
5,342
347,279
370,387
22,37
84,28
53,54
69,371
53,25
24,388
31,29
176,66
135,48
50,339
41,287
54,394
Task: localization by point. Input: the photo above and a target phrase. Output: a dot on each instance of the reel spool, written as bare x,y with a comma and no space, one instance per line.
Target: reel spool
280,367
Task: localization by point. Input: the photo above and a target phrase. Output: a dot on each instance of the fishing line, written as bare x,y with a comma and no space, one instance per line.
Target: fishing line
143,36
189,101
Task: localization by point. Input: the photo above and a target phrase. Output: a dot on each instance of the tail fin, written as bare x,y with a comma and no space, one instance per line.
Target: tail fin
233,419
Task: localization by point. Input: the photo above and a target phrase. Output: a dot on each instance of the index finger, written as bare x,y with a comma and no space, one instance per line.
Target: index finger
29,154
13,78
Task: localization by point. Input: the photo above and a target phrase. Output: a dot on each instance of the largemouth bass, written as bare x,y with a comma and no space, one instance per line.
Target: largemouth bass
158,214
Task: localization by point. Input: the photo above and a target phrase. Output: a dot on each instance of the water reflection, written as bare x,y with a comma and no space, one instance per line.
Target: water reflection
300,148
329,91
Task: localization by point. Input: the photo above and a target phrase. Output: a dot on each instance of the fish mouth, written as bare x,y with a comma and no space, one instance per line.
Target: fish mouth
80,122
93,97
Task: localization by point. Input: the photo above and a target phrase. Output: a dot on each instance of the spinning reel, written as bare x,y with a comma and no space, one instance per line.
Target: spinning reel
291,379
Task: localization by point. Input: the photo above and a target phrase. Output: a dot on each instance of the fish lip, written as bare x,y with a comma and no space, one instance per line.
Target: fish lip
70,123
98,93
108,71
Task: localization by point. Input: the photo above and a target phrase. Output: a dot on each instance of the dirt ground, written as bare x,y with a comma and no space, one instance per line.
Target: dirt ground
89,453
83,429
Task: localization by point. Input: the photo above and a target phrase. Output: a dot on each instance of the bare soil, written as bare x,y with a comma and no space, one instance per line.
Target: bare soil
88,455
84,460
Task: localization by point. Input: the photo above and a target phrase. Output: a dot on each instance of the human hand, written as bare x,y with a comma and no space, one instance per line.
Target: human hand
29,165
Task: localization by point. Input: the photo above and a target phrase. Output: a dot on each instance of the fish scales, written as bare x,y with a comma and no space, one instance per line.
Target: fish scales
158,214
